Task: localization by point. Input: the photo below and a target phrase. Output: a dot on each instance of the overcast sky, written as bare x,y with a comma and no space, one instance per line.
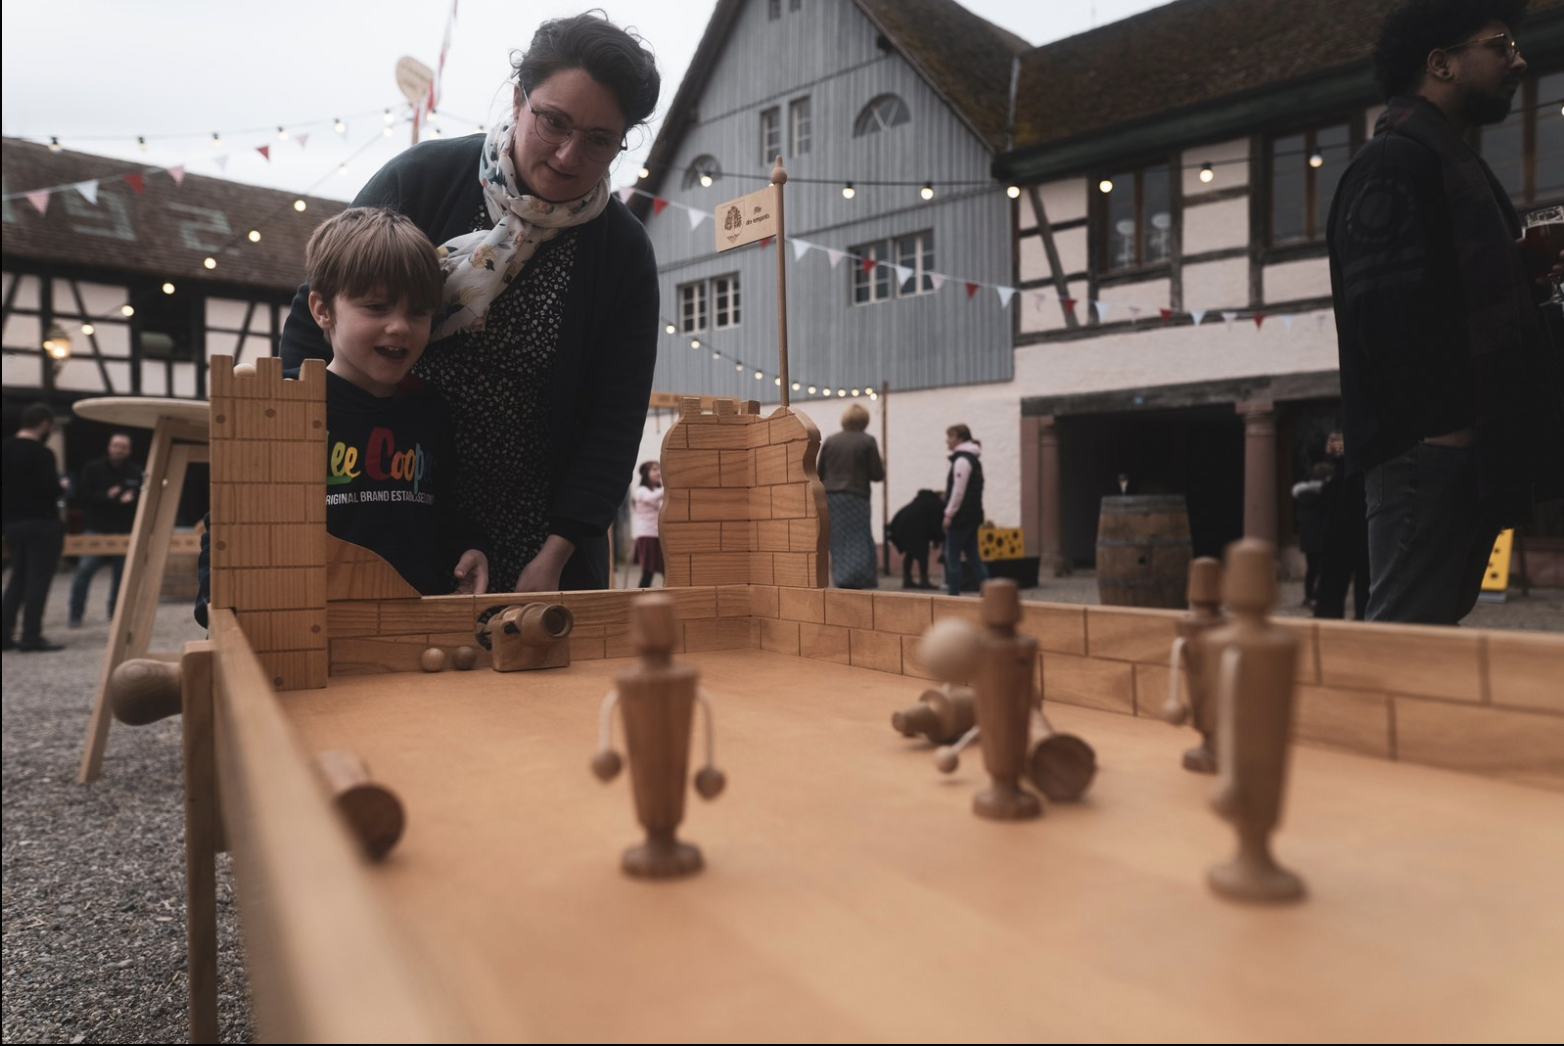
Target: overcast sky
99,73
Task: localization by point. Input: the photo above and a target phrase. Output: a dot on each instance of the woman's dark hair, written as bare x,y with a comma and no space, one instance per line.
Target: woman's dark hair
1416,27
613,57
646,469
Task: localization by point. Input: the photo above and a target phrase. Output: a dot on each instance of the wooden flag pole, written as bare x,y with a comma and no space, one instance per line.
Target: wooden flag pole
779,179
885,487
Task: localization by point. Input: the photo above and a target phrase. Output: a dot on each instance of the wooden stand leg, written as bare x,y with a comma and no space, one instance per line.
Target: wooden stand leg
201,844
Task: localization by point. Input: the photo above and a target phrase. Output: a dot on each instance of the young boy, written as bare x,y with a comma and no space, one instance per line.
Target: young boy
375,283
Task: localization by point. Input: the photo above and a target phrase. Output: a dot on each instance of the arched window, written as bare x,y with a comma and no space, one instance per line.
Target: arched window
885,111
702,171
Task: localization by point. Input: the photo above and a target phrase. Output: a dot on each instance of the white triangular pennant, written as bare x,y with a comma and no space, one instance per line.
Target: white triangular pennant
178,174
903,273
1197,315
800,248
835,255
303,139
1005,294
624,193
937,279
1134,311
1102,310
1228,317
1287,319
696,217
221,161
40,200
1041,299
88,189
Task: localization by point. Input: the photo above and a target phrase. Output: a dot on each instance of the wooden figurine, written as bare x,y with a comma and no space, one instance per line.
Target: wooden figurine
1254,694
942,714
1061,766
1005,665
533,635
144,690
372,810
1194,656
658,700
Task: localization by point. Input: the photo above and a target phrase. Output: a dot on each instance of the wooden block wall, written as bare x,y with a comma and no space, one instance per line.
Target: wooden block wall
744,504
268,452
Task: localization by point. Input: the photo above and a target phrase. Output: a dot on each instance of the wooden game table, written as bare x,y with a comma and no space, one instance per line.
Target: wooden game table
849,893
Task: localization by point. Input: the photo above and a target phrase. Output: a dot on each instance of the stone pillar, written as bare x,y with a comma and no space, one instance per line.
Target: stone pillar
1259,468
1052,551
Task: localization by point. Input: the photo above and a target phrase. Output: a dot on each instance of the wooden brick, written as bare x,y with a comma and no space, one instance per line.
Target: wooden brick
801,604
763,601
295,669
674,439
805,535
1151,689
740,536
761,570
352,618
733,601
591,647
1401,659
676,570
880,651
964,609
717,634
719,504
284,629
787,500
292,588
824,643
240,545
295,468
431,614
785,428
1505,741
770,465
590,608
1130,634
799,570
243,462
719,568
772,535
814,501
1526,670
1308,670
1055,626
903,612
618,641
690,469
220,377
356,657
851,609
1352,720
691,603
802,458
1072,680
692,537
759,503
738,468
779,636
676,506
707,432
298,544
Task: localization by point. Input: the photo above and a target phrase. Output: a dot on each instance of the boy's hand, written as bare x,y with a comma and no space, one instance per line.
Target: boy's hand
472,573
542,573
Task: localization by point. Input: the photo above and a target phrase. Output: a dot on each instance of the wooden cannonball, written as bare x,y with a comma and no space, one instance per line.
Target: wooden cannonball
607,764
949,649
464,658
244,370
710,782
946,760
433,659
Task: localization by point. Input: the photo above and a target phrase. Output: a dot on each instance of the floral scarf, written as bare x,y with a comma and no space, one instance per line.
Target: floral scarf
478,266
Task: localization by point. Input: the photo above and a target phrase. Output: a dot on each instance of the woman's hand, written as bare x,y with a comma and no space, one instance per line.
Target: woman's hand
542,573
472,573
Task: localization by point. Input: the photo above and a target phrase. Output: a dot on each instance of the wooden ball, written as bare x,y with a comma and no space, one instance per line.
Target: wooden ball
946,760
244,370
949,649
464,658
607,764
433,659
710,782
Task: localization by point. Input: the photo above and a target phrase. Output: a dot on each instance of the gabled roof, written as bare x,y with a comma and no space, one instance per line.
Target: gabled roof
158,221
966,59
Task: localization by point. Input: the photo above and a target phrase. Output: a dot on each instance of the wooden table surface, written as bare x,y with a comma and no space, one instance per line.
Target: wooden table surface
850,894
143,411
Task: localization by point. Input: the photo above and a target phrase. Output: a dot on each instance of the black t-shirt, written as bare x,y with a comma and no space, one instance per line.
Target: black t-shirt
31,482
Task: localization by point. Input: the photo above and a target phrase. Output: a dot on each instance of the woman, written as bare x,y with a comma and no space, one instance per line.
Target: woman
849,462
648,499
545,347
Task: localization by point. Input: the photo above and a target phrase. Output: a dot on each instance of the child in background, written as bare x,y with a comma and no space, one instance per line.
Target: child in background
375,285
648,498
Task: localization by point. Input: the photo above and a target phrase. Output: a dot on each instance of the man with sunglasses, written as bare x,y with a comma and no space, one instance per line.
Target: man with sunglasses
1449,378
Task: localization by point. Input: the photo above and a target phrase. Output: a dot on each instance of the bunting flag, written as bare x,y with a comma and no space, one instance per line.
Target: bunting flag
1069,305
1197,315
800,248
222,161
136,181
1259,318
696,217
765,241
1005,294
868,265
178,174
39,200
903,273
835,255
1167,316
1134,311
302,139
624,193
659,204
1102,311
971,288
266,151
1228,317
1287,319
89,189
937,279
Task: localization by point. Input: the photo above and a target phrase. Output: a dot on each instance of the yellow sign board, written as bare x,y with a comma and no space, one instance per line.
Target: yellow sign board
748,218
1497,579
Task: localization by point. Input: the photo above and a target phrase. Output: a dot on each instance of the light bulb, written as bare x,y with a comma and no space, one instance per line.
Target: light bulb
760,375
141,141
255,236
299,206
127,310
848,192
1105,186
1013,191
670,328
339,127
796,386
54,145
168,288
217,139
811,390
389,117
645,173
1316,159
927,192
88,329
282,134
1207,173
209,262
705,180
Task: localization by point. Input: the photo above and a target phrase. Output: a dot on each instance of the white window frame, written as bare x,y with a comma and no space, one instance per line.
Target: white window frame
692,307
921,263
726,301
878,282
800,126
770,134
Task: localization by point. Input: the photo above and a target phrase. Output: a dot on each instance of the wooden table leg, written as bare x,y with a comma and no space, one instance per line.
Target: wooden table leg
200,839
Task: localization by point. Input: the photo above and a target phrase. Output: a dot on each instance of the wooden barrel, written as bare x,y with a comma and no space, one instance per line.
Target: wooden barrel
1143,551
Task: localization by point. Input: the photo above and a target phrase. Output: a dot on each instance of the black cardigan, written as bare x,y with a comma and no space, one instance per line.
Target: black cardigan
607,345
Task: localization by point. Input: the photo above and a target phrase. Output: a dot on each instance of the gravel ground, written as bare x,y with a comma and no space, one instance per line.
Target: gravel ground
93,943
94,884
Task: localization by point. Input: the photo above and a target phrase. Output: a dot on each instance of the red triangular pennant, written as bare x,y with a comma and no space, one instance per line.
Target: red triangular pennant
1068,303
266,151
971,288
765,241
868,265
658,204
1259,318
1167,315
136,181
302,140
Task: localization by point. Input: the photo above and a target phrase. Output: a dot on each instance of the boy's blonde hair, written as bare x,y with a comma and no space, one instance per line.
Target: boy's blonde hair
374,250
855,418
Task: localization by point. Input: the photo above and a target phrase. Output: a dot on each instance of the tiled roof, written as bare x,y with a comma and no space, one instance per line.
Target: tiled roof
163,231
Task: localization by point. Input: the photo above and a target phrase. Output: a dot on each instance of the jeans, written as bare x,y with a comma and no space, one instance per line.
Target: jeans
35,551
959,541
86,568
1428,543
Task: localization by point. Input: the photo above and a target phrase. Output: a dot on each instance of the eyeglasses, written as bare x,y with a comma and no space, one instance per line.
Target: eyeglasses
1510,49
556,128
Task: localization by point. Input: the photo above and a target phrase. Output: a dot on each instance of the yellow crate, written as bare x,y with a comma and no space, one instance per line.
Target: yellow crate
1001,543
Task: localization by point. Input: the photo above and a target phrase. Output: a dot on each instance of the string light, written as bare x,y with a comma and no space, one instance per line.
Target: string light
796,386
705,180
255,236
695,343
142,142
54,145
645,173
387,132
671,329
855,393
342,169
776,381
1105,186
1316,159
168,288
811,390
338,126
282,134
217,138
716,355
848,192
1207,173
299,205
389,117
88,329
209,262
927,192
739,367
1013,191
127,310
